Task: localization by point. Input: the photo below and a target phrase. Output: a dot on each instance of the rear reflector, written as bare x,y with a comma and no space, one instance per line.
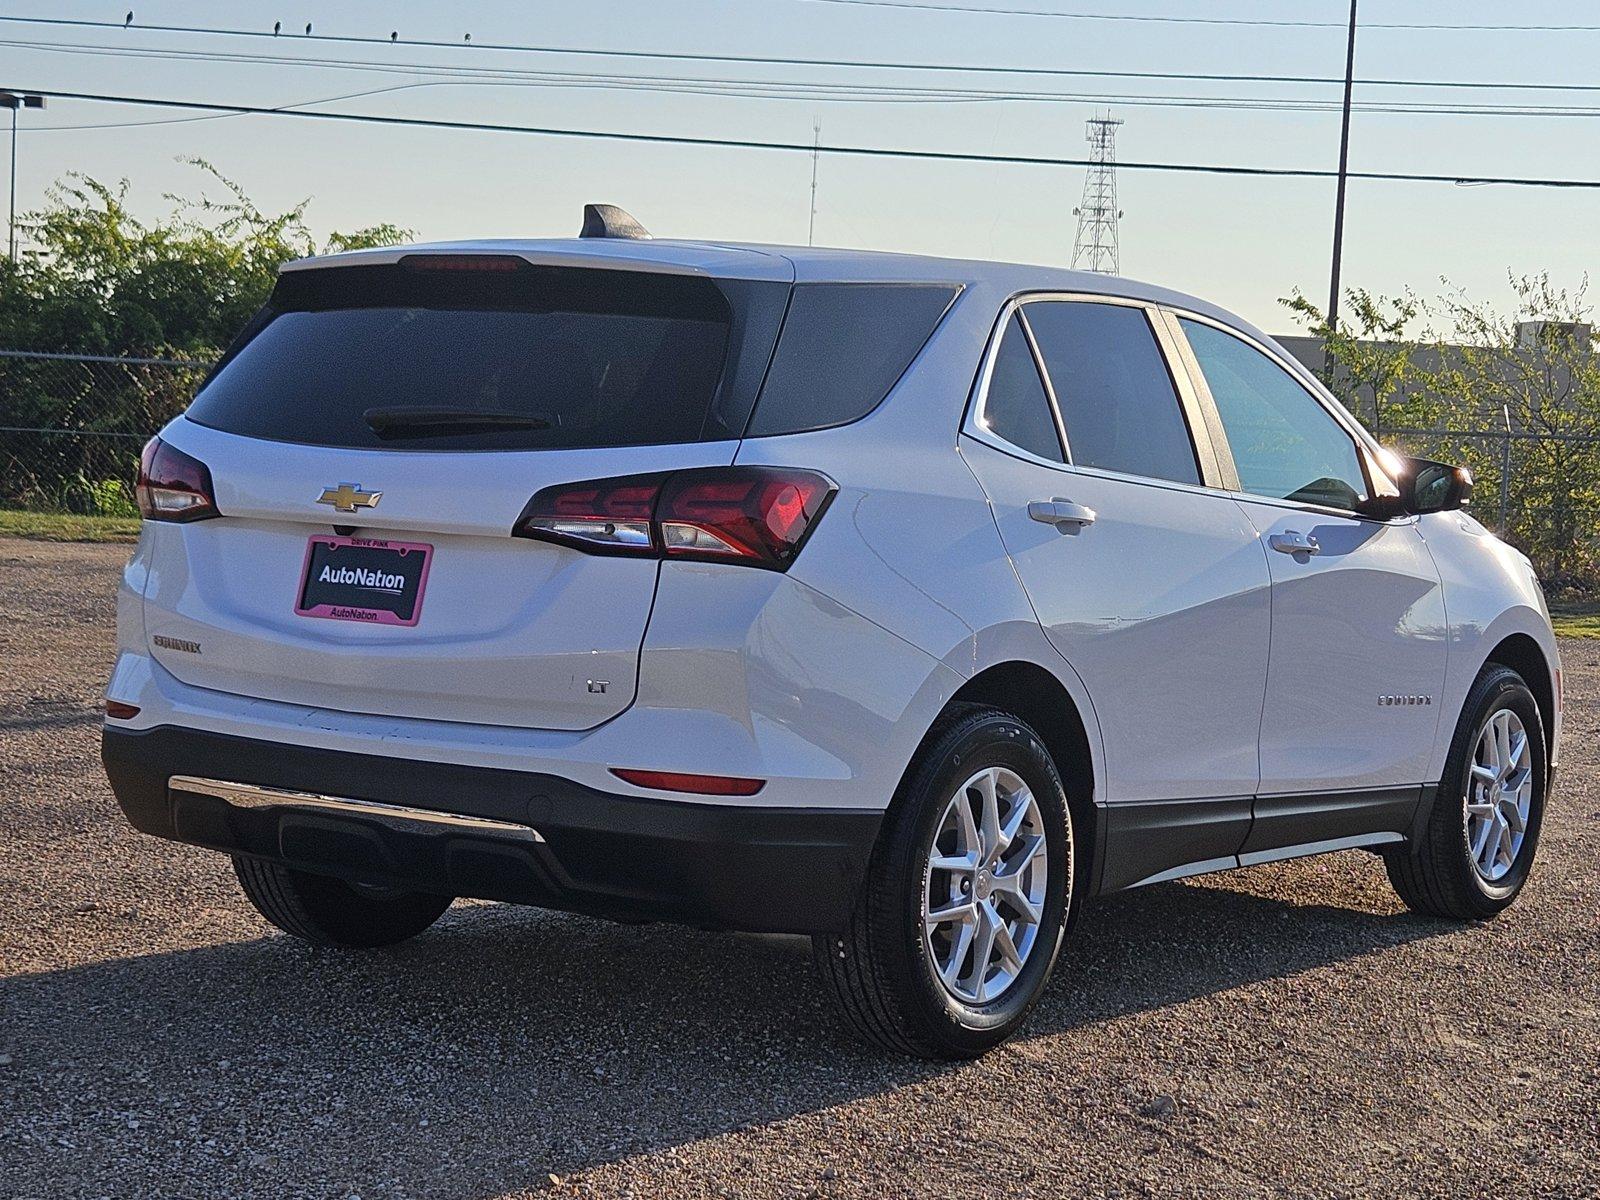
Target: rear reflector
173,486
702,785
756,516
119,711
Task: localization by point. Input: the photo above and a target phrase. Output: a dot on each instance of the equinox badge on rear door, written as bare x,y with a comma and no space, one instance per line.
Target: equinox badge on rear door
348,497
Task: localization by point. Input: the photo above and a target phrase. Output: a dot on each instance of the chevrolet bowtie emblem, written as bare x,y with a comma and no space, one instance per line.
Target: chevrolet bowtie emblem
348,497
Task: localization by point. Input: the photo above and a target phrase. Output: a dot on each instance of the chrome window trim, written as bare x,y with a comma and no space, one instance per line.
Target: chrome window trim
1323,510
1044,378
972,419
1190,407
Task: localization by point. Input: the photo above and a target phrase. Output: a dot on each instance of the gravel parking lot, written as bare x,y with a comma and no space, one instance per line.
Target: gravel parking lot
1286,1030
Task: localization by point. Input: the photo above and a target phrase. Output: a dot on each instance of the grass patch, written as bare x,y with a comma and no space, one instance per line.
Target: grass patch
1577,619
67,527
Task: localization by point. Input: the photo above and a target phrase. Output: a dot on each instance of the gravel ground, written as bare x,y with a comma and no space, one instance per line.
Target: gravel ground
1285,1030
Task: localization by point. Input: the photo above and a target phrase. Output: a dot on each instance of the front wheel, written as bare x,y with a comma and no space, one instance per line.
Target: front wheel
330,912
956,931
1477,847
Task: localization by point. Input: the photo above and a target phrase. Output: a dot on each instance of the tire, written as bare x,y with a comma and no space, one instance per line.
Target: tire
1440,875
326,911
883,972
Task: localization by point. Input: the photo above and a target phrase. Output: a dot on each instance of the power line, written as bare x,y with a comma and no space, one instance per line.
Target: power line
810,147
778,60
1172,19
221,116
132,124
777,90
1131,101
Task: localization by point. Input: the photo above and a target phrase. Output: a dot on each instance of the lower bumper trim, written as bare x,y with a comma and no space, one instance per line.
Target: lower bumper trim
495,834
245,795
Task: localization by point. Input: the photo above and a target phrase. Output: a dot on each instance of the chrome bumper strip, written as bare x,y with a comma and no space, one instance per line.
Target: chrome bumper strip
250,795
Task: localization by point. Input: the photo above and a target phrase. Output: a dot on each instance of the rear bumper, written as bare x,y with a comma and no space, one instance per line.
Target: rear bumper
726,866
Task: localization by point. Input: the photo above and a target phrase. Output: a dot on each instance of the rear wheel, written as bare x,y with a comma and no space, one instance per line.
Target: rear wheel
957,927
1477,848
330,912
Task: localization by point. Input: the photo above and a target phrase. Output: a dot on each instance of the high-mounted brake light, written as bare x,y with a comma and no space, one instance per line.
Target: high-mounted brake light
173,486
477,263
757,516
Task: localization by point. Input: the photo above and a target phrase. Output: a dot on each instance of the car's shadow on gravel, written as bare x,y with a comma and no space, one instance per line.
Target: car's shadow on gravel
509,1044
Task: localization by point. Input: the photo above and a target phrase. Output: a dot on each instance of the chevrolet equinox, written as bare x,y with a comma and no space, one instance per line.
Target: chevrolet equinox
900,602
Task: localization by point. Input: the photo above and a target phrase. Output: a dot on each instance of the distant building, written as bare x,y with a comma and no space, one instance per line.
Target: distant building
1532,334
1429,361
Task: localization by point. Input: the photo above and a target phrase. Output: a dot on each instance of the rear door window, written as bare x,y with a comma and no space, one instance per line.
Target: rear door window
1111,383
1016,407
522,357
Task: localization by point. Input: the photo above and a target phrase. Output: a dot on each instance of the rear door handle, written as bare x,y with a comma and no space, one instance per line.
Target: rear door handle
1062,513
1292,541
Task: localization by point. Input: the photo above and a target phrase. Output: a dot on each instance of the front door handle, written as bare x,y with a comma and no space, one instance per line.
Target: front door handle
1292,541
1062,513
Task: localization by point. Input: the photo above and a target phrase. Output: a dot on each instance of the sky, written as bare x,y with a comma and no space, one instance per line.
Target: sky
1243,243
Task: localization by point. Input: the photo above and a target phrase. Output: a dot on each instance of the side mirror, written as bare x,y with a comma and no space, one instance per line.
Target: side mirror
1428,487
1411,486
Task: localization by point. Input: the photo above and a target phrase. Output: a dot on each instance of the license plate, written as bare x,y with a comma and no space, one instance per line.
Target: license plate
364,579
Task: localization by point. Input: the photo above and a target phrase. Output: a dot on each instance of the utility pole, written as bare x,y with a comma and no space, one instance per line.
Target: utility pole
1096,245
1338,205
14,101
816,154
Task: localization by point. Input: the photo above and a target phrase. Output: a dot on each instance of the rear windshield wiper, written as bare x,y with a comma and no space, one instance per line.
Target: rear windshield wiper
408,421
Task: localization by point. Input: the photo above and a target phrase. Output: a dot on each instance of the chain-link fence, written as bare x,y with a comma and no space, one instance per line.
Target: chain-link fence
1540,491
72,425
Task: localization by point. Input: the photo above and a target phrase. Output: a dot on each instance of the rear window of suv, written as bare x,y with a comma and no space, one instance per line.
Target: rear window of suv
509,357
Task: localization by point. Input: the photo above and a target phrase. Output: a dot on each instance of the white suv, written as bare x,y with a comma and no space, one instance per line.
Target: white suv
902,602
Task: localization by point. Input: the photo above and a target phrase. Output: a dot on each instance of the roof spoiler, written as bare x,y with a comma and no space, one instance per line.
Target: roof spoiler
609,221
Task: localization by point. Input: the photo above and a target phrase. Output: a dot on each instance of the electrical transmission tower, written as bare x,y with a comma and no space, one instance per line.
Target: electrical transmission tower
1095,248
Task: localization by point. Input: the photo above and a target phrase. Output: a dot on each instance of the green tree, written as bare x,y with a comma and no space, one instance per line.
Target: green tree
1477,375
105,282
1371,355
1533,370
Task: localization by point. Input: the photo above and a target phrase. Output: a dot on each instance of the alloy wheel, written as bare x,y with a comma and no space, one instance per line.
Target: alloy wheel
1499,795
984,889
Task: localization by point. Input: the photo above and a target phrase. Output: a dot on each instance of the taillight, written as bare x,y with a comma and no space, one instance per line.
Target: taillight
758,516
173,486
606,516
